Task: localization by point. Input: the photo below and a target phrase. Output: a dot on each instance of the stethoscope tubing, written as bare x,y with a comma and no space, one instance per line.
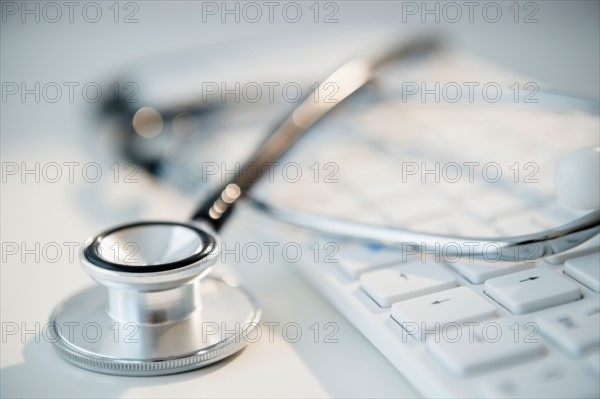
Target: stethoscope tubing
520,248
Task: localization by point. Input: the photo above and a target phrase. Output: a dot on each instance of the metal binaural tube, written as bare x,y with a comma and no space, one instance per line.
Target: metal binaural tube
347,79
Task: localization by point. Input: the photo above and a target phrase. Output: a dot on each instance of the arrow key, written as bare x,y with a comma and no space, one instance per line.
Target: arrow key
432,313
405,281
531,290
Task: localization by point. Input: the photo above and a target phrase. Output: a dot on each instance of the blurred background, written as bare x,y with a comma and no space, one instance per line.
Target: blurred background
63,65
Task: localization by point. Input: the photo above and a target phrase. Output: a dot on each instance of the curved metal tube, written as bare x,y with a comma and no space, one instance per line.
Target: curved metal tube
347,79
513,248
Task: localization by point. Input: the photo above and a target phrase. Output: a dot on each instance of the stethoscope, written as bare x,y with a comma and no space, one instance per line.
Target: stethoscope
158,311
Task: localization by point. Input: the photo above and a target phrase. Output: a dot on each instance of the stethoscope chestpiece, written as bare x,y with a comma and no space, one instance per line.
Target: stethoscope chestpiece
156,310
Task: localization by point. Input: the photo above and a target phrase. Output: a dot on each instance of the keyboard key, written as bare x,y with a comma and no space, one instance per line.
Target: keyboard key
478,271
459,190
434,311
586,270
588,247
494,204
554,214
546,378
456,223
406,281
490,345
414,208
531,290
356,259
576,334
517,224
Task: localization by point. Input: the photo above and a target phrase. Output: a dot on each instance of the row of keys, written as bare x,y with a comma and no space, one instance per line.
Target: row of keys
520,292
584,269
546,378
356,260
454,321
576,334
495,344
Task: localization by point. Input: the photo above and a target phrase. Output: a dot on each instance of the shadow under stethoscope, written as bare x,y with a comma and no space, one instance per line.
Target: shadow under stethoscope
44,368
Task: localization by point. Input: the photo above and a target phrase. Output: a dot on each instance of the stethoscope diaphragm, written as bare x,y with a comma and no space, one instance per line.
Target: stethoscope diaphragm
155,312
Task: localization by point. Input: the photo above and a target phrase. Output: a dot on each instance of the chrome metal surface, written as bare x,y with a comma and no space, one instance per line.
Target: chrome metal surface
142,245
169,261
86,334
156,313
515,249
147,247
347,80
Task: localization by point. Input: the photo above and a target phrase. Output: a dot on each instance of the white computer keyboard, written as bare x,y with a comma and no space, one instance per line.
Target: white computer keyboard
468,331
457,328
